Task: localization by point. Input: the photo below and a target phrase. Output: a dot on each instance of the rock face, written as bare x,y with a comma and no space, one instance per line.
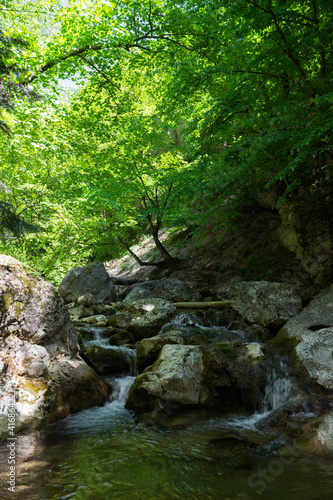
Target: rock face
312,331
92,279
266,303
169,289
306,230
39,352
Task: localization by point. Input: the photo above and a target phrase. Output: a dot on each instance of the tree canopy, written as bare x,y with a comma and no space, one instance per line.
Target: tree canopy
182,113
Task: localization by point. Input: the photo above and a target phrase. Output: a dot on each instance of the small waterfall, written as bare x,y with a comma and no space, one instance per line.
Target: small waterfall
121,385
121,388
277,391
128,354
187,320
102,419
193,324
97,339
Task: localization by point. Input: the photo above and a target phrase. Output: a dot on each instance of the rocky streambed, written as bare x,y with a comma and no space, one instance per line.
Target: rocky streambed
211,403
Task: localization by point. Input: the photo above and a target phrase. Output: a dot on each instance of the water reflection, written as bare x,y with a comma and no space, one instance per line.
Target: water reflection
103,453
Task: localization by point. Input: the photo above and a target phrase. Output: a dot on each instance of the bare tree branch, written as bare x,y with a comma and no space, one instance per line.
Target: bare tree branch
99,71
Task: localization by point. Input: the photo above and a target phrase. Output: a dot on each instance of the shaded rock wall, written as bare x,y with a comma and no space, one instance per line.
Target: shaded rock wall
307,231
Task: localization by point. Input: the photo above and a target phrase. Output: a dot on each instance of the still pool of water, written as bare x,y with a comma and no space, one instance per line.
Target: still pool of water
106,453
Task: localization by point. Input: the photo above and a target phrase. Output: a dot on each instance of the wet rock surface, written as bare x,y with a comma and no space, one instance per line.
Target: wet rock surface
107,361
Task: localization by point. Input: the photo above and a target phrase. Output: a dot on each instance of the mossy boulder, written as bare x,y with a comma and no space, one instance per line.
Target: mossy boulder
39,352
121,319
80,312
148,349
149,316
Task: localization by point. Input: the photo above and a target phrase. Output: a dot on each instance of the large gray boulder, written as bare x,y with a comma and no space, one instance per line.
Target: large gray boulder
148,349
39,352
315,354
92,279
311,333
267,303
199,375
176,376
32,309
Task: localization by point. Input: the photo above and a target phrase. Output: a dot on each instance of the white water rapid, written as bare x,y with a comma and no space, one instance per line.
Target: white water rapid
277,394
100,418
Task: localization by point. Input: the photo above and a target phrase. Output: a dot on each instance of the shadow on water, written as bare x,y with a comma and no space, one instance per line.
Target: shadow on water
104,453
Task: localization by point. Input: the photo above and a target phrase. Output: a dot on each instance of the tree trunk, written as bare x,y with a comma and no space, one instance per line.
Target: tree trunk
137,258
168,259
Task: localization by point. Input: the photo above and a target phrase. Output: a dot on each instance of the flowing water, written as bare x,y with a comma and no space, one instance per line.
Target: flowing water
107,453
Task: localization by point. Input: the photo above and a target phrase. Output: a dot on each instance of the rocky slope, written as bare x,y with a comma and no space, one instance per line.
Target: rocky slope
260,244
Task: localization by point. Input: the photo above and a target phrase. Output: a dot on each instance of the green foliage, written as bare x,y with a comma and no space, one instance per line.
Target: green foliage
21,34
184,113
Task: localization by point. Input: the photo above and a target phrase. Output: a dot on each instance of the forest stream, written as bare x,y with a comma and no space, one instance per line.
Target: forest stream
108,453
166,250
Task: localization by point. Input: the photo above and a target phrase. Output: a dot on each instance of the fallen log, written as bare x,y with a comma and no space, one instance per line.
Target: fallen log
218,304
